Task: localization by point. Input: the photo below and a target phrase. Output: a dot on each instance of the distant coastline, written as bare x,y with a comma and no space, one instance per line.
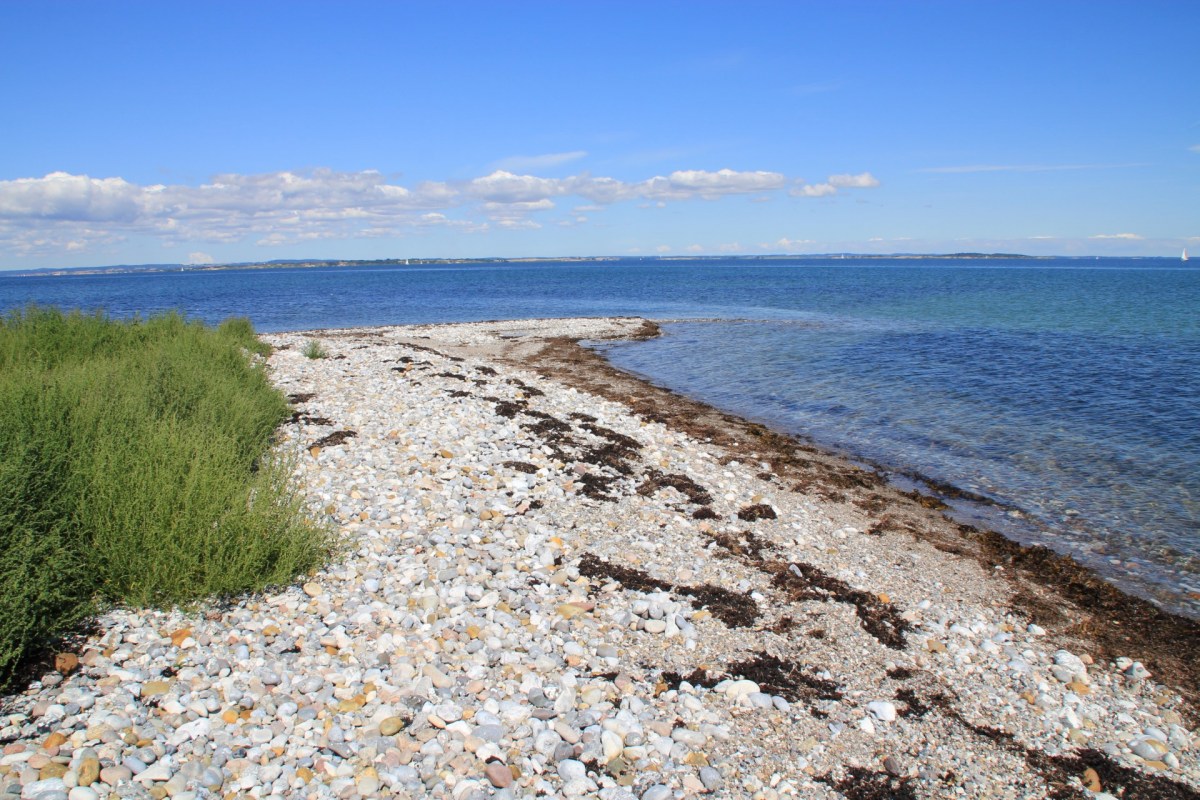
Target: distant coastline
315,263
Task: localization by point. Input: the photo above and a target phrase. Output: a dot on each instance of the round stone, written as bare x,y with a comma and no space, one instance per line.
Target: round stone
657,792
391,726
570,769
499,774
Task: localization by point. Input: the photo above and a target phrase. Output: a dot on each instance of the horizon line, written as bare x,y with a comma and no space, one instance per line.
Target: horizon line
417,260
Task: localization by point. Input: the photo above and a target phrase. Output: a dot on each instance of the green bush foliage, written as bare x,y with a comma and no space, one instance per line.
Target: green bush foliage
135,467
314,349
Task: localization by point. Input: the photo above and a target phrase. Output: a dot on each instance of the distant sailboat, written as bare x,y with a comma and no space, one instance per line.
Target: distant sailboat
1184,256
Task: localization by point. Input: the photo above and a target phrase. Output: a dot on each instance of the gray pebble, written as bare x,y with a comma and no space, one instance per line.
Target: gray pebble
569,769
657,792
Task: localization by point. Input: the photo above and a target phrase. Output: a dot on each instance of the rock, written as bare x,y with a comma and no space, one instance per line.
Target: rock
1065,658
892,766
157,772
175,786
739,689
88,771
66,663
612,745
83,793
499,774
52,770
367,782
693,739
1136,672
313,589
570,769
711,778
55,739
114,775
571,610
1149,749
439,679
654,626
1091,780
657,792
44,790
882,710
392,725
155,688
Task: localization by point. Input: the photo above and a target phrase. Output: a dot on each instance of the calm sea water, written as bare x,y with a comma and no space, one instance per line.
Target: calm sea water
1067,391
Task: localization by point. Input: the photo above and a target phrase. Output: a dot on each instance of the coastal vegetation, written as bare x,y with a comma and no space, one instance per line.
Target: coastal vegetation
314,349
135,468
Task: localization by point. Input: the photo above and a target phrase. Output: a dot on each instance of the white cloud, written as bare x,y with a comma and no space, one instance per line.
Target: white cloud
517,224
679,185
200,258
505,187
709,185
663,248
1195,148
1131,236
520,207
814,190
545,161
695,248
62,196
791,244
864,180
63,211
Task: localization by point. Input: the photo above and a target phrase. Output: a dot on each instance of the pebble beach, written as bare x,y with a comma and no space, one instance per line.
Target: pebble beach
545,591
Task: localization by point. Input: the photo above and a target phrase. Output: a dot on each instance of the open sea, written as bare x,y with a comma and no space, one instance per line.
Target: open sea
1065,391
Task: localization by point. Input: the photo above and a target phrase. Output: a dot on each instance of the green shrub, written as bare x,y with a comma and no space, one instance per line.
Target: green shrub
314,349
241,331
135,467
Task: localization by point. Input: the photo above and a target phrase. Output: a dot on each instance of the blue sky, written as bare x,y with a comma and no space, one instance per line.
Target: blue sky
175,132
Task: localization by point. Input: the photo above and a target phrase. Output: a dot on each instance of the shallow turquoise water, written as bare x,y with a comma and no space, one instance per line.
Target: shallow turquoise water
1065,390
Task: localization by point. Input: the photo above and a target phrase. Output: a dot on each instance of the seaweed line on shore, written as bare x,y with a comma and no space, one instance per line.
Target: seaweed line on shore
1052,590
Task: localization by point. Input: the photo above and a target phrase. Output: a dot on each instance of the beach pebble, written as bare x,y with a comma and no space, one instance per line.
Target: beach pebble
882,710
494,627
499,774
570,769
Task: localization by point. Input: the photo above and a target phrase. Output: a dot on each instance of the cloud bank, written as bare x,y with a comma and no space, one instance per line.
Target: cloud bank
63,212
